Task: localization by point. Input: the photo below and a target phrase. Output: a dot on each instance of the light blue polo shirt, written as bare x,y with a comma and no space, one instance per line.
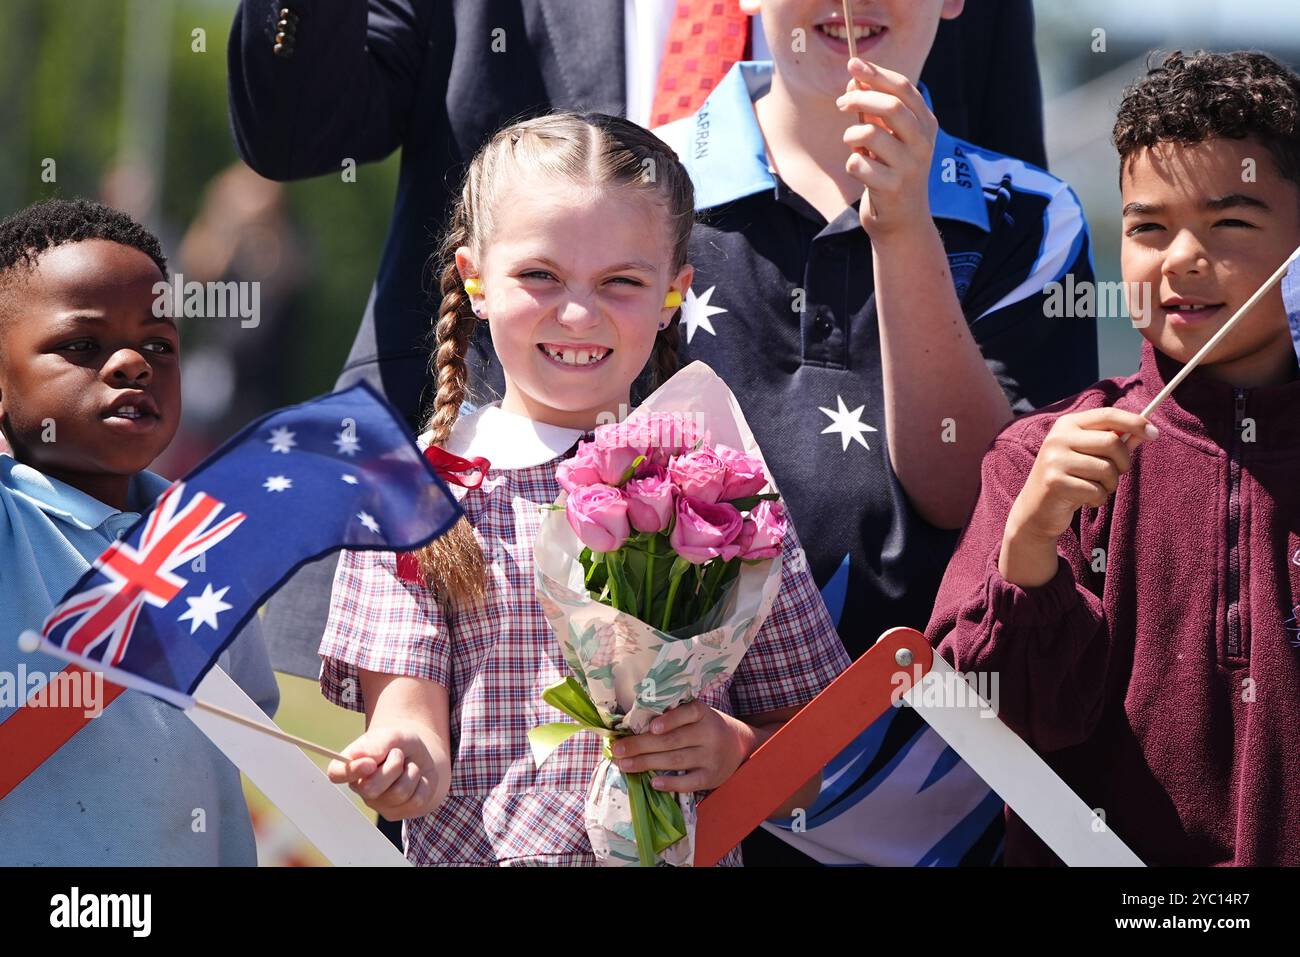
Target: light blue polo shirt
140,784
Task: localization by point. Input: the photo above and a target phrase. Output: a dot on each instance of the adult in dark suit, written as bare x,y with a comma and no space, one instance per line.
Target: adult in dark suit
315,83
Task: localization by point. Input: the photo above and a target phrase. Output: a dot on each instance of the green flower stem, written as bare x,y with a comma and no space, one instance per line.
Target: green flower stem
697,597
672,597
680,567
713,578
657,819
610,558
648,590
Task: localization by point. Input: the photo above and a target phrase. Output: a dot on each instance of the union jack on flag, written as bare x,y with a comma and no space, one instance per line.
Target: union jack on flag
96,624
157,608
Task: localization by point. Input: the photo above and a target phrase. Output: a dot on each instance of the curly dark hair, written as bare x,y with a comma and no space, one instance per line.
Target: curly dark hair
42,226
1192,97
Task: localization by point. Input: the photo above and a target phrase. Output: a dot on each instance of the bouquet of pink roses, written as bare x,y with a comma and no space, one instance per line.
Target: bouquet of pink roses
667,518
655,570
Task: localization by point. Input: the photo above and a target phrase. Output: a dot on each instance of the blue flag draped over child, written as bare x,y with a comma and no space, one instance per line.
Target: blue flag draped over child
1291,299
158,606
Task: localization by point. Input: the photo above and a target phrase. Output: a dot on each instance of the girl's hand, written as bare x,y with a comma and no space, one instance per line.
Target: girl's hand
706,744
899,139
393,770
1079,464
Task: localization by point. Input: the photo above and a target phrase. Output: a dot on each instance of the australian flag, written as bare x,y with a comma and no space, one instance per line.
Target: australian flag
1291,298
158,606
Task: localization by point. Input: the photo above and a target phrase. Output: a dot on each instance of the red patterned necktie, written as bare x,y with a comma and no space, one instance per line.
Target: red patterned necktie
705,38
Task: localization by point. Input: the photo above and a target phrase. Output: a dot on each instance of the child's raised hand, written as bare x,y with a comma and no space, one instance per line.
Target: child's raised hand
704,743
393,770
1079,464
899,139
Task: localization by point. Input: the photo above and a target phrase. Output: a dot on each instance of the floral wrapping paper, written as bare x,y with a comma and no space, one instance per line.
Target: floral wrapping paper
631,670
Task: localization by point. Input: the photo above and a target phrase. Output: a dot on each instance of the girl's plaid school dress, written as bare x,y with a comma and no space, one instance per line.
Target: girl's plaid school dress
496,660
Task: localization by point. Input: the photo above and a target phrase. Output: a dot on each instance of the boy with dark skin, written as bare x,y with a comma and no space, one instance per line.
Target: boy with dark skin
90,395
89,376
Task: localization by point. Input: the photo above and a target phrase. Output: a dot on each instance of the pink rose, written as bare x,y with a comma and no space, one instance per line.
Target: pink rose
763,531
598,516
745,474
594,464
622,435
704,531
665,434
650,500
582,469
700,475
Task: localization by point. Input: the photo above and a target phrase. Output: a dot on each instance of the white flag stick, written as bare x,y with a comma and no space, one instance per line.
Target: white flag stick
1218,336
30,641
271,730
853,52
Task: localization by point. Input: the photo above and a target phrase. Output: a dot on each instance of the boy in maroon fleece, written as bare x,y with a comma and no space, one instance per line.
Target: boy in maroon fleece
1139,600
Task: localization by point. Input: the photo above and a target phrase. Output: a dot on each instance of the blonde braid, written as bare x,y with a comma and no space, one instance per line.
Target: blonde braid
453,564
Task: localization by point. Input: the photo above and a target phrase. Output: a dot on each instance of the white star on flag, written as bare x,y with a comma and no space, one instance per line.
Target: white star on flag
347,442
696,312
368,521
350,479
277,483
281,440
205,608
848,424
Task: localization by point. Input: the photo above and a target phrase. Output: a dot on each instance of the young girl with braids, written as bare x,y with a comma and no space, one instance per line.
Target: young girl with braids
569,241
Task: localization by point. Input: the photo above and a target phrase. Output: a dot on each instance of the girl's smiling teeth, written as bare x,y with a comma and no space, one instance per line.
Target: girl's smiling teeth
574,355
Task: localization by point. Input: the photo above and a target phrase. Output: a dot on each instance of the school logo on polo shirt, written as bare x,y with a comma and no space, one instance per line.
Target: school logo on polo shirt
963,266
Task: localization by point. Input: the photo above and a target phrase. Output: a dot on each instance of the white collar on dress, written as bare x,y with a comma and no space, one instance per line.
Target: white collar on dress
507,440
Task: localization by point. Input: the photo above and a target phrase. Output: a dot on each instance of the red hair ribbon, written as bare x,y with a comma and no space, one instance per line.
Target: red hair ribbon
449,468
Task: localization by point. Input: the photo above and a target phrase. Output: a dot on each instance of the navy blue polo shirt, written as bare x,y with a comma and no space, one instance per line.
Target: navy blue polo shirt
782,307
